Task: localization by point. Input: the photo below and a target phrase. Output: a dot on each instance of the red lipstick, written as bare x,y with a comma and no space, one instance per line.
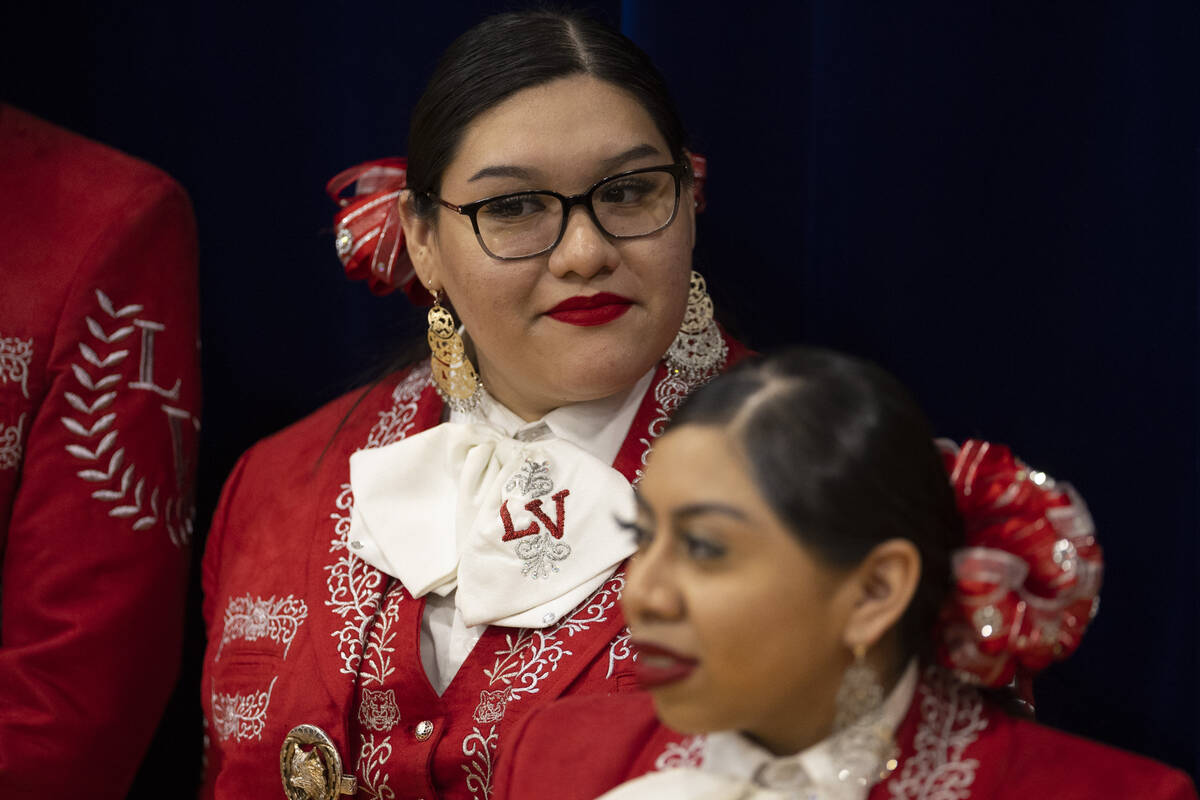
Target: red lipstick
589,310
657,666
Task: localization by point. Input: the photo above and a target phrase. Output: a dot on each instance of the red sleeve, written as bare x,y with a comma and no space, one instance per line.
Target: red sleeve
96,553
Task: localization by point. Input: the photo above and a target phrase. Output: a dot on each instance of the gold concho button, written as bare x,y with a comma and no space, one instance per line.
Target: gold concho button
310,766
424,730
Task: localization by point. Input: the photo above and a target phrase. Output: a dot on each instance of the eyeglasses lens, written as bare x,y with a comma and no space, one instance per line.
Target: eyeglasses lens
519,225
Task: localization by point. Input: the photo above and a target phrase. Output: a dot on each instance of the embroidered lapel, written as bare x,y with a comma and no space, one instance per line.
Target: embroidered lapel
940,732
352,588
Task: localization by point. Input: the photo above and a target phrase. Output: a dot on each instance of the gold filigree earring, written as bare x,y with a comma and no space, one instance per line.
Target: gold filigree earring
699,351
453,373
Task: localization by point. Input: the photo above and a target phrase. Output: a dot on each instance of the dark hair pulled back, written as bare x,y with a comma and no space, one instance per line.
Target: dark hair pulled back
509,52
846,459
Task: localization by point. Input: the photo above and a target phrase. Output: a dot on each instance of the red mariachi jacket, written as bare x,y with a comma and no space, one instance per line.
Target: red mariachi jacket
99,397
303,632
954,745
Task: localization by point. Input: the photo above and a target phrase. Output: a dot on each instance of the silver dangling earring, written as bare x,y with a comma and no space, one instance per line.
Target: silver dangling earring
863,749
698,352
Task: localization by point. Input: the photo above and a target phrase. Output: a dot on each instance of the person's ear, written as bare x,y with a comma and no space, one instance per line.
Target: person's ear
881,589
420,239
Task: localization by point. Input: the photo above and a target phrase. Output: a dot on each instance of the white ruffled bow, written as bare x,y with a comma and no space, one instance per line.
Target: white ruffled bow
522,532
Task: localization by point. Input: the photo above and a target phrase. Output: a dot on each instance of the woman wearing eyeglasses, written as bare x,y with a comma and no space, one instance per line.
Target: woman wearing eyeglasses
813,611
392,582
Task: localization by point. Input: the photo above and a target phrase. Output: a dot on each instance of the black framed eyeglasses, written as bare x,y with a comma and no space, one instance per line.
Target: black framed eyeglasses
526,224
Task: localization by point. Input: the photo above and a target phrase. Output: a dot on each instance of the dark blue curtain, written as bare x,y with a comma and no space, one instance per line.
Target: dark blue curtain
995,200
998,201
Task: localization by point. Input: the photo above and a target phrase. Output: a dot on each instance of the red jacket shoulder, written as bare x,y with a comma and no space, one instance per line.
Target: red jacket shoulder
42,158
1044,762
596,743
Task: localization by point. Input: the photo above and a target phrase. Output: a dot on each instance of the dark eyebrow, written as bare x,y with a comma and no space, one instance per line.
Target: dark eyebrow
502,172
607,165
699,509
641,151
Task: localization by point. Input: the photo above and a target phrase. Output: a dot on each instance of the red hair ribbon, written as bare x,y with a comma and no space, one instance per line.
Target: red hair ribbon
367,232
1028,581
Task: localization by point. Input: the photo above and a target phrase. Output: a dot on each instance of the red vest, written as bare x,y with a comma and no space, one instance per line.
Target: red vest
954,745
99,397
302,631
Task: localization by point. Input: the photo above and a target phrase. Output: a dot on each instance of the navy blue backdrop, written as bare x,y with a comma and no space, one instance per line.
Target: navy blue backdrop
998,201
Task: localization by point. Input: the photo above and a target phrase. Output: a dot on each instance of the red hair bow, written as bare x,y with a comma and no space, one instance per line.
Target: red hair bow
1027,583
367,232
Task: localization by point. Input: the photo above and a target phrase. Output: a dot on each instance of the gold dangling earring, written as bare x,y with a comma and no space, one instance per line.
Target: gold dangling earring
863,748
698,352
453,373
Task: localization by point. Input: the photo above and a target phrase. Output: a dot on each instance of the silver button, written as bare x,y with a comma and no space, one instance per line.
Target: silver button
424,730
549,617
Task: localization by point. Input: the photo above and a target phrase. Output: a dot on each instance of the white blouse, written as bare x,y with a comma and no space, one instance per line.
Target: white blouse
735,768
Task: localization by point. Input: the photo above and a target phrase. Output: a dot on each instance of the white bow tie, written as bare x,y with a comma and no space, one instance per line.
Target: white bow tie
523,531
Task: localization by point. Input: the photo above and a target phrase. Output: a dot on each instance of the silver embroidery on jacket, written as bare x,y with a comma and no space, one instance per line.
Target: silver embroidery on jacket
99,374
669,393
241,716
686,753
620,650
491,706
952,717
481,749
355,589
253,618
378,710
372,779
525,661
377,655
354,585
395,423
10,444
15,358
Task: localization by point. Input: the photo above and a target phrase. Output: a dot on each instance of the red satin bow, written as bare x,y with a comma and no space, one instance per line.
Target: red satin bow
367,232
1027,584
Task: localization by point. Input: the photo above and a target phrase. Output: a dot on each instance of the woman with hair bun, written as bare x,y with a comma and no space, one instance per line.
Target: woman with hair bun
825,604
391,583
